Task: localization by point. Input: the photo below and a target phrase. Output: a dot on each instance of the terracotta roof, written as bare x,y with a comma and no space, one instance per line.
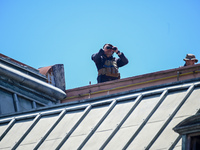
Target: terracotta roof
132,83
44,70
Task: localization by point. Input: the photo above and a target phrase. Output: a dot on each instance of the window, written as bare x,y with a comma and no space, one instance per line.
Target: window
194,142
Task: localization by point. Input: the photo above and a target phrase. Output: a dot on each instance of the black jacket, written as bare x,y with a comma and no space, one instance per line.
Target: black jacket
99,59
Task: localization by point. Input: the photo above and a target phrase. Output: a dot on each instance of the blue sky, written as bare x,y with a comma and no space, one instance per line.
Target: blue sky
154,35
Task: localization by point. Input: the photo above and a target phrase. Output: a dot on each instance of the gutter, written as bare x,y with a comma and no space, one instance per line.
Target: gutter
31,82
20,66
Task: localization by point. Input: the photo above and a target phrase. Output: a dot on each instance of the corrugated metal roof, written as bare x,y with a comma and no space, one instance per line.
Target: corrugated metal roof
142,120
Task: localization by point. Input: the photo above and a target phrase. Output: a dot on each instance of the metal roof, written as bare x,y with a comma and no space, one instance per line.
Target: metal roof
141,120
21,66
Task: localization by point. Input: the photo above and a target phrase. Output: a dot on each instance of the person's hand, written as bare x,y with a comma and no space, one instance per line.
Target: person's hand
115,49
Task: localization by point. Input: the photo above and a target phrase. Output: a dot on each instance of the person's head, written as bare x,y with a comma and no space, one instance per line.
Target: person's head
190,59
108,50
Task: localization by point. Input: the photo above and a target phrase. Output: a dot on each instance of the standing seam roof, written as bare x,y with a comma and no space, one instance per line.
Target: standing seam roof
143,120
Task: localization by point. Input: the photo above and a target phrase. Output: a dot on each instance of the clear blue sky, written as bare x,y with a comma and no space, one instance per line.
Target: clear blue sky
155,35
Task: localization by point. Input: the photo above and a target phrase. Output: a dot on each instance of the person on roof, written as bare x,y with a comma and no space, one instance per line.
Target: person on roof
107,65
190,59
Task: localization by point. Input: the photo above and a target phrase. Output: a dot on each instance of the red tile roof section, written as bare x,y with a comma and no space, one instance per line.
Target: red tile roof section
44,70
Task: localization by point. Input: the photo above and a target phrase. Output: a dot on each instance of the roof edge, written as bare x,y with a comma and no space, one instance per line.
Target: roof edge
31,82
135,82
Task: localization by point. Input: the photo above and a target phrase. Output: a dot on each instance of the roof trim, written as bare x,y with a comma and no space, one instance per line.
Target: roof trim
189,125
31,82
131,83
21,66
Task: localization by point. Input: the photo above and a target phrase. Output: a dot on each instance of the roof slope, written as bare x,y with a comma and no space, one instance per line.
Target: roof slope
143,119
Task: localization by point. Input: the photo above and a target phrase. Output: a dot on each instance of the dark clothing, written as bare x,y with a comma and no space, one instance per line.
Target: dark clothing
104,78
105,64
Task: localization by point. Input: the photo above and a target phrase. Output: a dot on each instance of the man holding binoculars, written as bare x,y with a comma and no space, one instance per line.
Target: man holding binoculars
107,65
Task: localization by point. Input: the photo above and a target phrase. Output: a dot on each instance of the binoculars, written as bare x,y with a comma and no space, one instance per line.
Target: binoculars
113,48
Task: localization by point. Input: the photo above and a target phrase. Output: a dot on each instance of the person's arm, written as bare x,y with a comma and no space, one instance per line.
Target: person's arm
96,57
122,60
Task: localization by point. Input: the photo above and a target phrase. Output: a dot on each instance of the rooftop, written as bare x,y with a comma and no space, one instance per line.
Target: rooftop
140,120
139,112
133,83
23,88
